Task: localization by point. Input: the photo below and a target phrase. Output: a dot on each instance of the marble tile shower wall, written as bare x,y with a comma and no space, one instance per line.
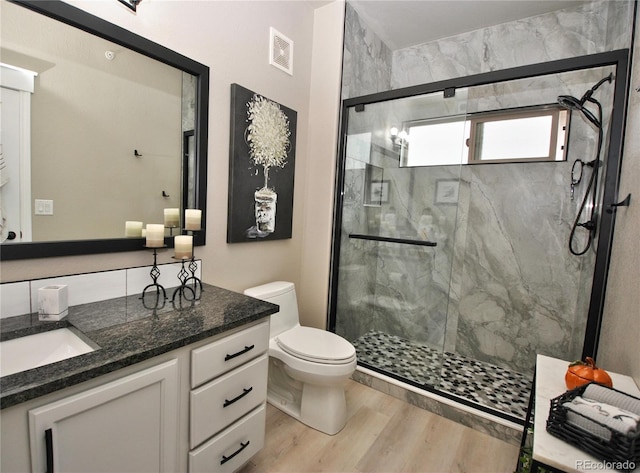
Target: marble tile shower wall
515,288
501,284
367,60
370,66
19,298
590,28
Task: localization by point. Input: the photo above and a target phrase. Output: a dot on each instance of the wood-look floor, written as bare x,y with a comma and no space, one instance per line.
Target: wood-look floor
383,434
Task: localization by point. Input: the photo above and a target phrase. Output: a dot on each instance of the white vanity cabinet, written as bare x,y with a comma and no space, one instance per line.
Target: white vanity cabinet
228,400
164,414
128,425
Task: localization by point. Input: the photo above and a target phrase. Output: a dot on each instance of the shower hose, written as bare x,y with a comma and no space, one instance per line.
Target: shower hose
590,192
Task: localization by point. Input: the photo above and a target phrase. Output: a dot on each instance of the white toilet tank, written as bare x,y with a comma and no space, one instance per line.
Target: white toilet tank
284,294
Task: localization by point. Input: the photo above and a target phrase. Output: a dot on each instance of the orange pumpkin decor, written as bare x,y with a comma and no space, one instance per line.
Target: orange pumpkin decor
583,372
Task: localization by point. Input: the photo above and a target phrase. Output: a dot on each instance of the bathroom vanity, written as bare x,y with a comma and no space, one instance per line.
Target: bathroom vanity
177,388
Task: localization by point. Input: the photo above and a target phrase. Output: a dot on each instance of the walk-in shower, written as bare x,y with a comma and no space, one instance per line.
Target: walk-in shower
451,264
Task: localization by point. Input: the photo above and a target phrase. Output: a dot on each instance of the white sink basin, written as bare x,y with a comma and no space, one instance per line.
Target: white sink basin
20,354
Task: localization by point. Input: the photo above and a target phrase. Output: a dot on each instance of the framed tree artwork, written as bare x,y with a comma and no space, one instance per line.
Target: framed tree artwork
261,168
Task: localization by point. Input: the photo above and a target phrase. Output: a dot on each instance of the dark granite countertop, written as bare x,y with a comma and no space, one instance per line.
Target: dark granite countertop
125,332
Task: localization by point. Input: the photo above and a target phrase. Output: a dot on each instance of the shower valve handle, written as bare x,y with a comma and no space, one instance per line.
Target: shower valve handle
623,203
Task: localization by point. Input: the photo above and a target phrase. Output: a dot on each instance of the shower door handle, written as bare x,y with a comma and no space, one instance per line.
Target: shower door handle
623,203
404,241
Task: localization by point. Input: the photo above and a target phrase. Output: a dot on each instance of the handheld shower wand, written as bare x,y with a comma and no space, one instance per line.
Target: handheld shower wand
572,103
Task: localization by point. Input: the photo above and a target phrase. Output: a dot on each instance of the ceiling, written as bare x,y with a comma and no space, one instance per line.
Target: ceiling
404,23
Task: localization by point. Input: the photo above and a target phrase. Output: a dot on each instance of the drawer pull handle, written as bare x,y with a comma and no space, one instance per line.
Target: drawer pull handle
238,397
241,352
48,442
226,459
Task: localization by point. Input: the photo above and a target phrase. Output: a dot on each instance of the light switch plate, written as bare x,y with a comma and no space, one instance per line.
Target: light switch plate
43,207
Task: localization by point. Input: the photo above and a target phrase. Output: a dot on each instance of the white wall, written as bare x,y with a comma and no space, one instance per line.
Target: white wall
232,37
323,141
618,350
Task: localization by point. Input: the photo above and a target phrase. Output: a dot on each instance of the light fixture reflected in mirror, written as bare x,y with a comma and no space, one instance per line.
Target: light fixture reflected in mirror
133,4
398,138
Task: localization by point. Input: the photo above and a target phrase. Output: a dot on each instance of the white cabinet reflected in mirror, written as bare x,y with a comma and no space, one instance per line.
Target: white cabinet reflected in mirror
113,128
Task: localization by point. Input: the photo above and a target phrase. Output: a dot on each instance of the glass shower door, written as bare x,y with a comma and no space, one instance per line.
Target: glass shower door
398,219
452,267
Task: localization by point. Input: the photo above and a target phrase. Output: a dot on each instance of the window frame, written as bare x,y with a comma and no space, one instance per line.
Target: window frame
405,147
560,122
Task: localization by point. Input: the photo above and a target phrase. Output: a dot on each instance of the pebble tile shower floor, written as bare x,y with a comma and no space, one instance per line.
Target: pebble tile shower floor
482,383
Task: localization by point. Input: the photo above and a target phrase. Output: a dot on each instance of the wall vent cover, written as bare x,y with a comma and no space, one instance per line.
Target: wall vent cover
281,51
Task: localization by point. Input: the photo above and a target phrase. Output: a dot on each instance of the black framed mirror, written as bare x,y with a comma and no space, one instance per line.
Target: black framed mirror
190,173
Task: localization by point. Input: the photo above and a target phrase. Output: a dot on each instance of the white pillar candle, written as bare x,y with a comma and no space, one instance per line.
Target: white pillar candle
192,219
171,218
183,246
132,229
155,235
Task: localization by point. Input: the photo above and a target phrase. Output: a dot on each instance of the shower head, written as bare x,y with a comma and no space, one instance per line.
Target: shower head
572,103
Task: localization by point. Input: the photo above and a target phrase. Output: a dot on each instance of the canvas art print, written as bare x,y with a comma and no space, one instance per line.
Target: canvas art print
261,168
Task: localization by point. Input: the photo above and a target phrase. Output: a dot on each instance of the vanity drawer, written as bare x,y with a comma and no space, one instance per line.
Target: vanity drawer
221,402
233,447
218,357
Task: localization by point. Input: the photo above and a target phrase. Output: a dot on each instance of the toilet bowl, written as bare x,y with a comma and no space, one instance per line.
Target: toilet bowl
308,367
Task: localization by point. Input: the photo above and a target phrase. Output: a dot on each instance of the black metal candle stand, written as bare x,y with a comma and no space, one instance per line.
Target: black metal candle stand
196,281
189,282
155,274
193,266
183,290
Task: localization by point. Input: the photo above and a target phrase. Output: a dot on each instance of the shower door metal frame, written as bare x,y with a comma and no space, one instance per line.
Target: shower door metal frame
620,60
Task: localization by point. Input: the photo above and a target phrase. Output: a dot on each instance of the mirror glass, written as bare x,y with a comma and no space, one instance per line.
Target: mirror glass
109,129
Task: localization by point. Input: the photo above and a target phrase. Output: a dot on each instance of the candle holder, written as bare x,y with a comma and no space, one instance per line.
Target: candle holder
183,289
171,229
155,274
195,280
189,282
193,267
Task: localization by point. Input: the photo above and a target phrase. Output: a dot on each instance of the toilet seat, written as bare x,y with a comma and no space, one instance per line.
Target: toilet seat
316,345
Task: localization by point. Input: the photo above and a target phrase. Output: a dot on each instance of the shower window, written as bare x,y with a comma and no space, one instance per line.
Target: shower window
521,135
435,142
531,134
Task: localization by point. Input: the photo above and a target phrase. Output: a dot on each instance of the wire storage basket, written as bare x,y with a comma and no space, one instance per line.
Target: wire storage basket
593,437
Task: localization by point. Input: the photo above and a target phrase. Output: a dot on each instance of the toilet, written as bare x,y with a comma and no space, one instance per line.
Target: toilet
308,367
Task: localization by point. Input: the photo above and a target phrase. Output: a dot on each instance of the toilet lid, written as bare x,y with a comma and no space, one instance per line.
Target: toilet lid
316,345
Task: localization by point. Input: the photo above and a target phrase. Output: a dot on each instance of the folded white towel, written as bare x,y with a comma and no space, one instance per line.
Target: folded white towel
599,393
587,425
616,419
630,419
